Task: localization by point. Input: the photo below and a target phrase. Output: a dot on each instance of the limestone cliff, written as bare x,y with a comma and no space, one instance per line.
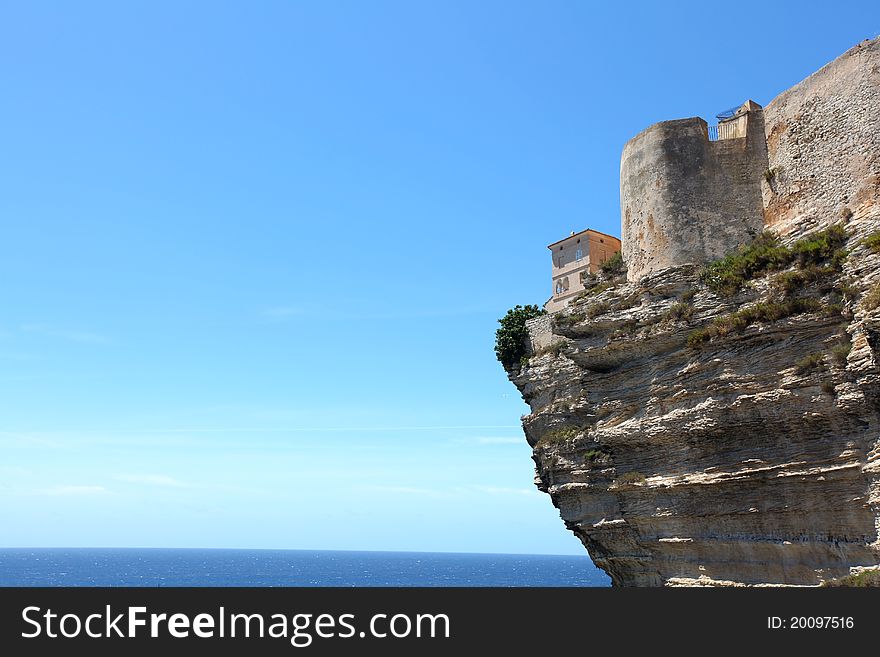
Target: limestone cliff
697,433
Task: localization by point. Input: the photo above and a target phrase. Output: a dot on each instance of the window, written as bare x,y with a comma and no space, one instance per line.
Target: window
579,254
565,284
558,287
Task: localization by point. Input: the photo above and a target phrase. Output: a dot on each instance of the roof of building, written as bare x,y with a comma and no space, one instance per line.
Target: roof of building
588,230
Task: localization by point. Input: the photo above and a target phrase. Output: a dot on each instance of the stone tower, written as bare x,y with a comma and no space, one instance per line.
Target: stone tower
690,194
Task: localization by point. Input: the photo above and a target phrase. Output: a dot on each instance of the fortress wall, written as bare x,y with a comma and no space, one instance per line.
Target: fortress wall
685,199
823,140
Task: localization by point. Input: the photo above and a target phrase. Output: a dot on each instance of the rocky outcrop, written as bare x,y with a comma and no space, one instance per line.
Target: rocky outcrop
748,453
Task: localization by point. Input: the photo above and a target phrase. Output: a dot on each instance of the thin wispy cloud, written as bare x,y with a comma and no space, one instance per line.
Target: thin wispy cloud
494,440
501,490
173,430
454,492
84,337
284,312
152,480
409,490
67,491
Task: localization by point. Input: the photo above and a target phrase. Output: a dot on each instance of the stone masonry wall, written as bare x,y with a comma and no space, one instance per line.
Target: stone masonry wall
823,140
685,199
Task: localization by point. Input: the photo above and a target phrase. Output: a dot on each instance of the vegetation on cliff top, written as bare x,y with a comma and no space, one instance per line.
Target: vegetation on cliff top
766,253
510,338
613,266
865,578
738,321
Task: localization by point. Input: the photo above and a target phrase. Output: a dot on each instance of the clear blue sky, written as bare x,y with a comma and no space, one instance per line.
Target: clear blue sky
253,254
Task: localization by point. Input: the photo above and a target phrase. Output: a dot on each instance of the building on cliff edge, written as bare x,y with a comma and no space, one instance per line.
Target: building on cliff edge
574,258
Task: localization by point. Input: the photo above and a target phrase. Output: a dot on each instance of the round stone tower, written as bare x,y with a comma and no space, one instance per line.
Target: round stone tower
689,194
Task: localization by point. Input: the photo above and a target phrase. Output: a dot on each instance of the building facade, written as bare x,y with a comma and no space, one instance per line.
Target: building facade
574,258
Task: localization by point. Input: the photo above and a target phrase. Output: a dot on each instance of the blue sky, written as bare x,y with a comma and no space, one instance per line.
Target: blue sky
253,254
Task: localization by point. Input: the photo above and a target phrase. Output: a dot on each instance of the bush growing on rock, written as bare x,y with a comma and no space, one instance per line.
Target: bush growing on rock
510,339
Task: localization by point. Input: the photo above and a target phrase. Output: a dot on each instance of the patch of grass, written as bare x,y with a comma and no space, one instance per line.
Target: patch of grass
560,435
872,241
727,275
863,579
840,352
629,327
847,290
871,300
614,265
569,319
765,254
596,455
629,302
594,289
555,348
737,322
769,174
810,363
599,308
821,246
679,312
510,339
628,478
792,281
688,296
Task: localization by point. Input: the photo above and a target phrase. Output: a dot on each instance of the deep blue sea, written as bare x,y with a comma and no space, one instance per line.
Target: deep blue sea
197,567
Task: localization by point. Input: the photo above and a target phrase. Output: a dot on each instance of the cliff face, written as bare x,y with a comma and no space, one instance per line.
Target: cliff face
689,436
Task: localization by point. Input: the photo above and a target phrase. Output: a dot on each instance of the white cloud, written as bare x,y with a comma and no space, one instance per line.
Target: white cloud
501,490
74,490
497,440
152,480
408,490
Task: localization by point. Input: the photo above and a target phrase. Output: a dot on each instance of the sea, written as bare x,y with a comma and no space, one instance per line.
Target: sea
199,567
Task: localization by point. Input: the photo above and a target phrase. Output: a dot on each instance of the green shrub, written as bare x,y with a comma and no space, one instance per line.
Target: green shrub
865,578
593,289
629,327
613,266
821,246
560,435
510,339
631,478
679,312
872,241
765,312
847,290
727,276
791,281
840,352
569,319
599,308
810,363
596,455
872,299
